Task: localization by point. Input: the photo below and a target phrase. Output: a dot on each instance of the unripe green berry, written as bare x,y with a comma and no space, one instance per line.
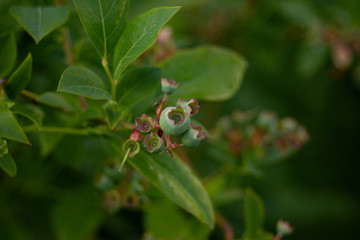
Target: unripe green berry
168,87
174,120
133,145
193,137
153,143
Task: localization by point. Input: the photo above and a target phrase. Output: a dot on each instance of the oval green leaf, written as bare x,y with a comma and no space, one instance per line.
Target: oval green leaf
254,214
137,84
139,35
30,111
20,78
55,100
103,21
9,127
40,21
7,163
8,53
175,179
206,72
82,81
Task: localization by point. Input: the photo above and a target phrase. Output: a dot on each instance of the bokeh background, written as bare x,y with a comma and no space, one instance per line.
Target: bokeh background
303,62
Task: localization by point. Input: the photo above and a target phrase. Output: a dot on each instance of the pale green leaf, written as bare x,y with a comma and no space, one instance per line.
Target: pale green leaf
82,81
20,78
104,21
40,21
7,163
206,72
139,35
8,53
9,127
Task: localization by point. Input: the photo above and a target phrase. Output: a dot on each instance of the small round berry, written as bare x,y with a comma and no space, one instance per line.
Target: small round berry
174,120
154,143
168,87
145,123
133,145
192,106
193,137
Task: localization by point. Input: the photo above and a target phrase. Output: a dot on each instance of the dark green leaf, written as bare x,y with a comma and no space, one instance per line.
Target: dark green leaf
137,84
48,142
254,214
20,78
8,52
175,179
54,99
76,216
114,113
139,35
82,81
7,163
40,21
32,112
207,72
9,127
103,21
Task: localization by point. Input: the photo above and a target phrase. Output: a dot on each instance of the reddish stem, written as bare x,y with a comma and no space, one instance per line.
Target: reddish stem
160,108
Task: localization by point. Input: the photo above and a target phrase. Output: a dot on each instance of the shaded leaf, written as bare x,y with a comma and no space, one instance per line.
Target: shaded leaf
254,214
8,53
139,35
54,99
104,21
206,72
76,216
9,127
40,21
48,142
32,112
82,81
137,84
175,179
20,78
7,163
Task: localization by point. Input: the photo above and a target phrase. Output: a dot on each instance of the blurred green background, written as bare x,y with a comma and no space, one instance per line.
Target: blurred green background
303,62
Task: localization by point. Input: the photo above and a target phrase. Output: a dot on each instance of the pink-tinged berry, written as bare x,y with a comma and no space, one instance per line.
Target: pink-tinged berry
283,228
174,120
145,123
193,137
134,147
154,143
168,87
192,106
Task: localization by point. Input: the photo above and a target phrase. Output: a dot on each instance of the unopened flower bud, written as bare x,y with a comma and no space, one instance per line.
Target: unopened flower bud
145,123
168,87
174,120
133,146
193,137
283,228
153,143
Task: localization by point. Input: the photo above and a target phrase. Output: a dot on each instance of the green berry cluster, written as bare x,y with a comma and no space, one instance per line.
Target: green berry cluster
171,121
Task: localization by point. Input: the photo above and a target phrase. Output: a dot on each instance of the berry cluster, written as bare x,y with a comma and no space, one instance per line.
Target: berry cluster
171,121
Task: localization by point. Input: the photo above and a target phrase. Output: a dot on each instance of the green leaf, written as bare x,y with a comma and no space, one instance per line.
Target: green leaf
254,214
40,21
139,35
8,53
20,78
206,72
137,84
54,99
48,142
76,216
9,127
114,113
82,81
7,163
104,21
175,179
32,112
